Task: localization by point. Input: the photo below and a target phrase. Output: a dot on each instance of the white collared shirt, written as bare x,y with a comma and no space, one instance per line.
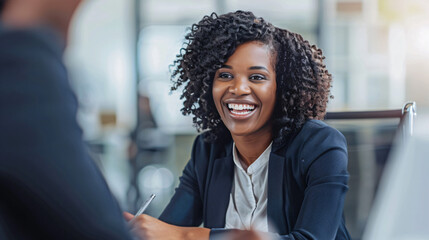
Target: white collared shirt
248,199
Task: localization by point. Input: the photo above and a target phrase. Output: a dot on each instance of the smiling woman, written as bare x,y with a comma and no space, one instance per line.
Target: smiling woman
265,161
244,92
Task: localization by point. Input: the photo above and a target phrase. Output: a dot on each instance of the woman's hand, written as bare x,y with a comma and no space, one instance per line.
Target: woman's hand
149,228
246,235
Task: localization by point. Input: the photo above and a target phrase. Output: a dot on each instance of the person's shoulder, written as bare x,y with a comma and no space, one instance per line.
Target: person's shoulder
39,38
315,124
213,148
200,140
314,139
317,128
36,53
316,136
205,138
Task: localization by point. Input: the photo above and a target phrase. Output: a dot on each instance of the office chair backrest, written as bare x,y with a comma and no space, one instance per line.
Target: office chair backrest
401,208
406,115
370,136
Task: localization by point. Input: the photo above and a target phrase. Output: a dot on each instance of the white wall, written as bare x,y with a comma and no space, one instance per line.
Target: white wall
100,60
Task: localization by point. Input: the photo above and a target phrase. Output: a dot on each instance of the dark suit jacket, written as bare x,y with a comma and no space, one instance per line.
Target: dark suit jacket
49,186
307,182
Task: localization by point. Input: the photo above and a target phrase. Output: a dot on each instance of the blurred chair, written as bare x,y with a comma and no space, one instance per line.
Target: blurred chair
370,136
406,115
401,207
149,146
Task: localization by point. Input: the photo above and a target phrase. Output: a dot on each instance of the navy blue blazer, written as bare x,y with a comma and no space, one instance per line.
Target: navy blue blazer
307,183
50,188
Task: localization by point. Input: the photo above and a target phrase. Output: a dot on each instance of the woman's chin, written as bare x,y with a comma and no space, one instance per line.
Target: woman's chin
239,132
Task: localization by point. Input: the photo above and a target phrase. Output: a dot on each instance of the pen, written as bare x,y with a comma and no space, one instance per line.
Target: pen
145,205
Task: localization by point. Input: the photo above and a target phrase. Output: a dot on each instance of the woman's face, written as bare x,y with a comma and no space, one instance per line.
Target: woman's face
244,90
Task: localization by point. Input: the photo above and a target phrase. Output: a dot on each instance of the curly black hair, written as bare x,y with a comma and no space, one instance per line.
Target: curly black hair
303,82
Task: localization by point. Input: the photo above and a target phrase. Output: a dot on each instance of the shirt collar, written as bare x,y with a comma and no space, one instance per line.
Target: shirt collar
257,164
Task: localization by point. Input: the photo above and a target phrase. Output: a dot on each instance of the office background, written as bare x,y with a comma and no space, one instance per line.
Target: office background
119,55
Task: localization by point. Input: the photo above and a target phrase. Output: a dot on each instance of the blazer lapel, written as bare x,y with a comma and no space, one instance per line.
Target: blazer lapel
219,190
275,205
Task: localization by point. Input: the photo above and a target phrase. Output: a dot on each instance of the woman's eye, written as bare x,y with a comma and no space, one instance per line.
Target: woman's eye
257,77
225,75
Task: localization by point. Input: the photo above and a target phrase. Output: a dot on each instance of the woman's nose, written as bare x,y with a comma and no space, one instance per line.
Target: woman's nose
240,86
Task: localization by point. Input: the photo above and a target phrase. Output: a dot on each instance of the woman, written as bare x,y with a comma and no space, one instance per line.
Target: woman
265,162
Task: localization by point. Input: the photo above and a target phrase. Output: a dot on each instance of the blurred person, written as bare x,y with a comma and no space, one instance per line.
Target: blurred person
258,92
50,188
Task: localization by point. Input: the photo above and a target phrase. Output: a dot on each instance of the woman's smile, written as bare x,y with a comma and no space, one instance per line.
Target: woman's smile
240,110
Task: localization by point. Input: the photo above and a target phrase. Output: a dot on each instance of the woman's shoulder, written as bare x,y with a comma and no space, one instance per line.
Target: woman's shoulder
315,137
319,129
316,124
203,140
204,147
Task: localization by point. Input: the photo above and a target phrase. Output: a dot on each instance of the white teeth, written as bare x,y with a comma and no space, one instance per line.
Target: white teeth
241,106
237,109
241,113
